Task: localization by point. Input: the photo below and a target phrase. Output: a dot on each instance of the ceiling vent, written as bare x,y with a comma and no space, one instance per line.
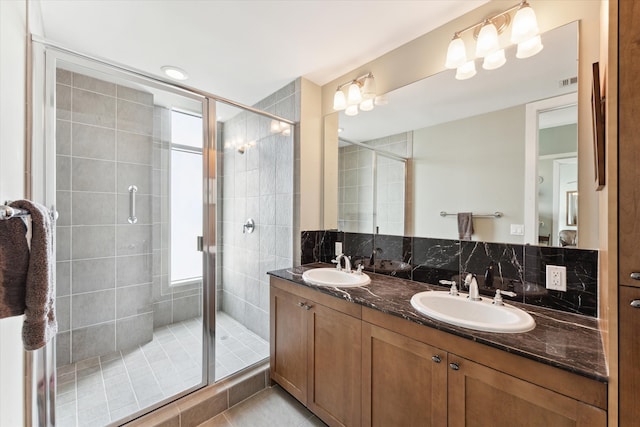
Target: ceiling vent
568,82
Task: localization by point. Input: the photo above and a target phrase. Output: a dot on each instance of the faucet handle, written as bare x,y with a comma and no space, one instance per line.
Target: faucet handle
508,293
336,261
497,299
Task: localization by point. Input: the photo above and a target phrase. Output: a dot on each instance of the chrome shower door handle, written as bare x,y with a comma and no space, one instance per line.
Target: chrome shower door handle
132,204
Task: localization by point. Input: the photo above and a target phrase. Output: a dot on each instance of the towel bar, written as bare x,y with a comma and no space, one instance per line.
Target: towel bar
493,215
7,212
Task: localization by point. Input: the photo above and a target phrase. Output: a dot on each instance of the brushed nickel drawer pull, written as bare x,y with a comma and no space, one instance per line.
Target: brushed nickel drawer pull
454,366
635,275
436,358
635,303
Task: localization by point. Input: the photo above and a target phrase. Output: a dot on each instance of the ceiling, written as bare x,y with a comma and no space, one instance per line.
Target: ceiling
243,50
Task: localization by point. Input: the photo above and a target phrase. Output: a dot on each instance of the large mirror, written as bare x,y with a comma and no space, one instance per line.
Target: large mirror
443,146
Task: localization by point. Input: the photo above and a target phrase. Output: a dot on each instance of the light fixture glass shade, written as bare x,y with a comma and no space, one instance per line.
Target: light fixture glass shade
456,53
369,88
352,110
466,71
339,101
367,104
525,25
487,40
494,60
529,48
381,100
354,97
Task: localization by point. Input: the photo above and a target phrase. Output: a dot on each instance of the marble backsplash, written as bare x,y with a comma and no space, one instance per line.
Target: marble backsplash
517,268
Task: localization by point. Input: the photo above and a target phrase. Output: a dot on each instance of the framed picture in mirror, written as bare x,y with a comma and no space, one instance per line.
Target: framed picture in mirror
597,109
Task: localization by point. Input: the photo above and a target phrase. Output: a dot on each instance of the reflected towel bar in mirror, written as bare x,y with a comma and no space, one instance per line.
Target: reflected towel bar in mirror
493,215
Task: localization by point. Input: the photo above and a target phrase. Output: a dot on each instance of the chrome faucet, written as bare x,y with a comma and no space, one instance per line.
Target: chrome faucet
472,283
347,263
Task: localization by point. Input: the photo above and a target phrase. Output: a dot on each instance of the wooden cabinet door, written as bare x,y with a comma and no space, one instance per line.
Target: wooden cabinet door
334,363
629,356
629,144
483,397
404,382
288,336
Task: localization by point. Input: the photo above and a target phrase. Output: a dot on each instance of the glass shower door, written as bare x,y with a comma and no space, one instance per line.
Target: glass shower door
255,224
130,196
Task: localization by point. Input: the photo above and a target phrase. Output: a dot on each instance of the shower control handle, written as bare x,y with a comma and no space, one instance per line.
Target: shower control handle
132,204
249,226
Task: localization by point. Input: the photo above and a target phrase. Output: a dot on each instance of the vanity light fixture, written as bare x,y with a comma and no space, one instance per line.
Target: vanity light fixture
524,33
174,72
361,95
283,128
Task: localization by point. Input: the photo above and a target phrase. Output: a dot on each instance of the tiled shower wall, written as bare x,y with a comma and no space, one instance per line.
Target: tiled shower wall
355,186
517,268
257,184
105,268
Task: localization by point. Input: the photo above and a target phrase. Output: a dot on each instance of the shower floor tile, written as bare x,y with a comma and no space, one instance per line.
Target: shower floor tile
101,390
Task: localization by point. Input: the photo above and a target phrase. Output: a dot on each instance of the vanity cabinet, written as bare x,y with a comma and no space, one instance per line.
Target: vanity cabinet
316,352
480,396
403,380
356,366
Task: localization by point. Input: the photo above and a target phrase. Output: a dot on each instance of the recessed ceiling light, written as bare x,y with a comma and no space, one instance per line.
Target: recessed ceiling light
175,72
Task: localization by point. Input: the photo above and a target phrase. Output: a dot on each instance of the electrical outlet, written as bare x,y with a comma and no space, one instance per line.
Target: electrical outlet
557,278
517,229
338,248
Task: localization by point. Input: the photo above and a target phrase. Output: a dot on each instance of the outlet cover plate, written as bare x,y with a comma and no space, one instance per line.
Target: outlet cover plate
517,229
557,278
338,248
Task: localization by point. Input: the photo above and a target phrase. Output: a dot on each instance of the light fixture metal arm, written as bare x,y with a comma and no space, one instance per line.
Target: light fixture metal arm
491,18
357,80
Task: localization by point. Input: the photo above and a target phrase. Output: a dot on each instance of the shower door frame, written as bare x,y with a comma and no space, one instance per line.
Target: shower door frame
42,363
40,172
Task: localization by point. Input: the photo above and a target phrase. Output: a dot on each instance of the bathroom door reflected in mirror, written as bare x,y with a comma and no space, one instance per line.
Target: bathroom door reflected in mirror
468,143
557,174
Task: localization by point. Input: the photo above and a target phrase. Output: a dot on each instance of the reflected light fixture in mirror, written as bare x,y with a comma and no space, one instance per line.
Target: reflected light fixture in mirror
466,71
524,33
361,95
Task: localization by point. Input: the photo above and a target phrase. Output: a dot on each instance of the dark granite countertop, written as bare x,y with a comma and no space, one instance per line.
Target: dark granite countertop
564,340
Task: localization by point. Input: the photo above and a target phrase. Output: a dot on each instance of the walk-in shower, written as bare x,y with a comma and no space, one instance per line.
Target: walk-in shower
153,185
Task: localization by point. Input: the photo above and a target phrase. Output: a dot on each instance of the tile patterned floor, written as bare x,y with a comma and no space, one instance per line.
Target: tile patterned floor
102,390
272,407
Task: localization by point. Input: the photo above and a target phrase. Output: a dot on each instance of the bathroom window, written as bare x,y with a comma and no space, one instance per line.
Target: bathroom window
186,197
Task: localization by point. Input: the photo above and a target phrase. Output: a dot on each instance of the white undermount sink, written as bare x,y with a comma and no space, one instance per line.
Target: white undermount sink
478,315
334,277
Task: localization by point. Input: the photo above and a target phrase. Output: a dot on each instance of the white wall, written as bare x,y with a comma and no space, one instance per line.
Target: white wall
463,169
12,137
